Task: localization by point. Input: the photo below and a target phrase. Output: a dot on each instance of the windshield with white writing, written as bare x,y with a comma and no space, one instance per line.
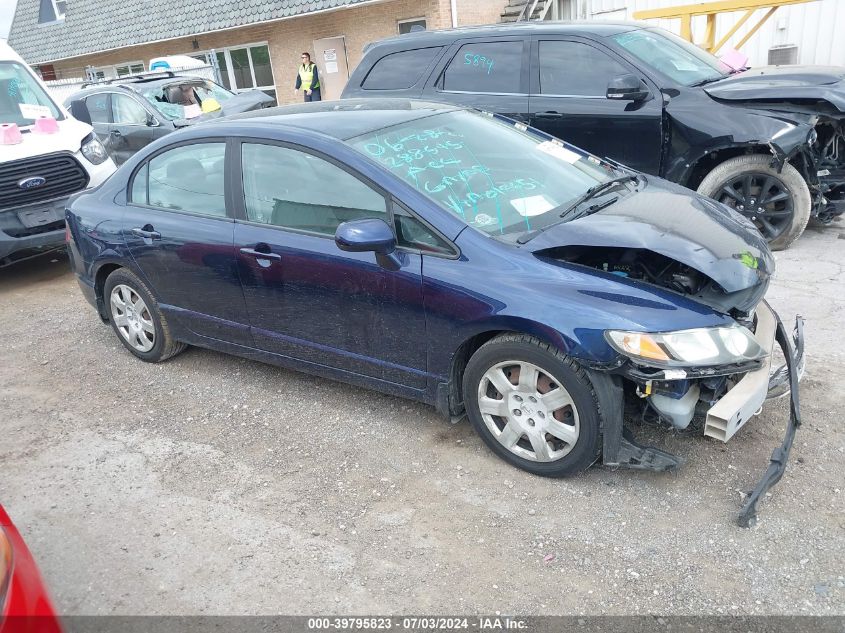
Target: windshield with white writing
496,177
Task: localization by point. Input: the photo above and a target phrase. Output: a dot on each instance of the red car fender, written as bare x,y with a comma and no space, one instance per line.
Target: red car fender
25,606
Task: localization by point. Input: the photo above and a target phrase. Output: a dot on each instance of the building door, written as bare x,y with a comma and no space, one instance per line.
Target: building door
330,57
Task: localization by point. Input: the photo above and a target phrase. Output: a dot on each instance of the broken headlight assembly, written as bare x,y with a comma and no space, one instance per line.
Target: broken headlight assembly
93,150
683,348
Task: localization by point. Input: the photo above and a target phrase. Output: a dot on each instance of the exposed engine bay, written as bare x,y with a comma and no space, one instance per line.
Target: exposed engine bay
827,177
652,268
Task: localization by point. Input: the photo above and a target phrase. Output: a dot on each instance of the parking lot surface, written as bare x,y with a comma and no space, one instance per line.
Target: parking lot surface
211,484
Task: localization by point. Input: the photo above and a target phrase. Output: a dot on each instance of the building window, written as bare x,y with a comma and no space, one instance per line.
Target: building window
243,67
134,68
51,11
116,71
411,26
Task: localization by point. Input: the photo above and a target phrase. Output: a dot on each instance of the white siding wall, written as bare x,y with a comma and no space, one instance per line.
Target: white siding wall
817,28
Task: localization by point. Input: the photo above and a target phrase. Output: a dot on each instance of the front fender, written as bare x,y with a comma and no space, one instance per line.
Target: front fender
696,132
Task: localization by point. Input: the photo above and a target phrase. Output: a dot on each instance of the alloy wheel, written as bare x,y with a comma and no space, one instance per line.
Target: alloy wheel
528,411
132,318
763,199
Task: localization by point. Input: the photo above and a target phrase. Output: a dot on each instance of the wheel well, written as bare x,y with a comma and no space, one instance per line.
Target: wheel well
712,159
99,287
459,363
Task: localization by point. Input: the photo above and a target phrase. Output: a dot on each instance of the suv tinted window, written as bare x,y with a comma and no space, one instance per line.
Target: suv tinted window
98,107
399,70
573,68
485,67
292,189
128,111
187,178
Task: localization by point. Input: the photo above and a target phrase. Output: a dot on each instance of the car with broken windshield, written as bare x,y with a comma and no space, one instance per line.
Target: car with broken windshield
769,142
129,113
398,245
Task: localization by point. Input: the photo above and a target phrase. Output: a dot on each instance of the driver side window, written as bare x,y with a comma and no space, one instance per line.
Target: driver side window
292,189
576,69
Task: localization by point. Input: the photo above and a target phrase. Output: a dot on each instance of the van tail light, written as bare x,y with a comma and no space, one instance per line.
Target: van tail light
67,234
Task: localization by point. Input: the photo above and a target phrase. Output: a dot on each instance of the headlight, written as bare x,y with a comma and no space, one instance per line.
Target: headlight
701,346
93,150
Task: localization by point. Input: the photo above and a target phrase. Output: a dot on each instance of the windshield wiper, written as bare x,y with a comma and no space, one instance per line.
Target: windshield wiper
595,190
709,80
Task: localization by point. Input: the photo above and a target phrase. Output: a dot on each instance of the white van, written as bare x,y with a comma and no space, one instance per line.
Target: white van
45,157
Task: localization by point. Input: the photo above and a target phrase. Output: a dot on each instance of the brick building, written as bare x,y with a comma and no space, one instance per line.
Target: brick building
254,43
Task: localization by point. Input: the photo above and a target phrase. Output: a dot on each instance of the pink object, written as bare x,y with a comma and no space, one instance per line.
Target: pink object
734,60
45,125
10,134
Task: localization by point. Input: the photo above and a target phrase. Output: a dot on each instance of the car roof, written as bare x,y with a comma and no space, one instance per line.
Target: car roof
135,83
596,27
342,119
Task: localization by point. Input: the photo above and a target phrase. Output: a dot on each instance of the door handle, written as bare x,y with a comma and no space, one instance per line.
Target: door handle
116,133
261,255
146,233
548,114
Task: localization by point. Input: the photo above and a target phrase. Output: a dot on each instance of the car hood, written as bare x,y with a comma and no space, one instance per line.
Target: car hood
68,139
241,102
783,83
683,226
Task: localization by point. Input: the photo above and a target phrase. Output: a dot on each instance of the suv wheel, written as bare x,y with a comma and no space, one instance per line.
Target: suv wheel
777,203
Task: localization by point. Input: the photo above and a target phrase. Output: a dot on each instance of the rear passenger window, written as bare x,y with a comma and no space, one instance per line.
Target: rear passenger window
399,70
573,68
187,178
139,186
98,107
485,67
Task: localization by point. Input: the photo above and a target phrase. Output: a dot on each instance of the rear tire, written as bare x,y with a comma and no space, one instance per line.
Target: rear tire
136,319
533,406
777,203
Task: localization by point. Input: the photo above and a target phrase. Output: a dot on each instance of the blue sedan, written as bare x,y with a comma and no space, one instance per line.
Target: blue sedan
444,255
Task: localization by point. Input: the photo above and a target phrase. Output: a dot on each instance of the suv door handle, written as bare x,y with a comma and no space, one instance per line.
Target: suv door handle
253,252
148,233
548,114
116,133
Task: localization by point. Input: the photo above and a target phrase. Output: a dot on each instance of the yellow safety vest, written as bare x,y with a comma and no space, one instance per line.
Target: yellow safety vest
306,74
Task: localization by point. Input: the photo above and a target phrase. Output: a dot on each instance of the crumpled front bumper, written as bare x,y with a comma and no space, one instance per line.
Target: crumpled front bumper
788,375
745,399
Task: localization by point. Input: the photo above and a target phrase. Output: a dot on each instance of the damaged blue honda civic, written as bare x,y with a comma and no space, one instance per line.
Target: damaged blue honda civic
453,257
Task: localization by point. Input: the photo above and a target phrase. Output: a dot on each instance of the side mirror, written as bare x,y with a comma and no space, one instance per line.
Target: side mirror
79,111
151,120
370,235
360,236
627,88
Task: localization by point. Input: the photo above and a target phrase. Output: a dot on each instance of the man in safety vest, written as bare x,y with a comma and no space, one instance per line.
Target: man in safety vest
307,79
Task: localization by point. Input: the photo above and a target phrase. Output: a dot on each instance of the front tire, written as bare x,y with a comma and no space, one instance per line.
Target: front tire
136,318
777,203
533,406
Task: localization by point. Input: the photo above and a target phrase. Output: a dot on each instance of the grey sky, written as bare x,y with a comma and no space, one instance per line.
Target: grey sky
7,12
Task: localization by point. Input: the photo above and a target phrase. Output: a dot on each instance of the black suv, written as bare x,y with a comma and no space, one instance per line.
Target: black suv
769,142
131,112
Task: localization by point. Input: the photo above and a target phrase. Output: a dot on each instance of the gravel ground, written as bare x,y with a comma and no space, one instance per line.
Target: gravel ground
215,485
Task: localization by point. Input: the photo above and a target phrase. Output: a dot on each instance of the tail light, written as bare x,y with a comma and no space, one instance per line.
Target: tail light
5,567
67,234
